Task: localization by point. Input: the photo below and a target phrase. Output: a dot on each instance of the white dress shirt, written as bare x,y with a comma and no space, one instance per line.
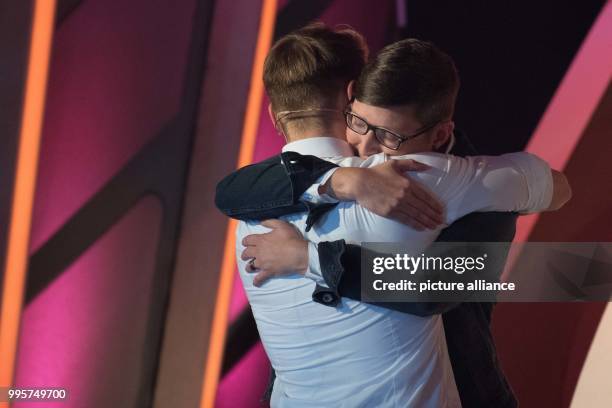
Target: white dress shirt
361,355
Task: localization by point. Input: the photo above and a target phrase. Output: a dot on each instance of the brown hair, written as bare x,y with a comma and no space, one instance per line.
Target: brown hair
309,67
411,72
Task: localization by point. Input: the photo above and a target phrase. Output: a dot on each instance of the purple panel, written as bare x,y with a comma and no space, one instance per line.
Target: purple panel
85,331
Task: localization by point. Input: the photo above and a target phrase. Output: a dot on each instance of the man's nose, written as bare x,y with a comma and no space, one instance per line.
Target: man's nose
369,145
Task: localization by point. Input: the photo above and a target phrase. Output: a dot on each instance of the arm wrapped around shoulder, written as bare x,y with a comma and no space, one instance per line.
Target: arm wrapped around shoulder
549,189
538,178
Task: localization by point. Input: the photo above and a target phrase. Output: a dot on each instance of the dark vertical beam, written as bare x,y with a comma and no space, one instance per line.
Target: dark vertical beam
15,25
184,136
25,164
222,96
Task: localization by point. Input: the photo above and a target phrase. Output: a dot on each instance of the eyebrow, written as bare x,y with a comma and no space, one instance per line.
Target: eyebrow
378,126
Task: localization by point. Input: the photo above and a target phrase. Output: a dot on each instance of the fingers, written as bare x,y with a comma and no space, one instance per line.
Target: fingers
261,278
410,165
428,198
251,240
424,208
416,209
274,224
418,197
256,239
416,218
280,230
248,253
406,214
250,266
408,219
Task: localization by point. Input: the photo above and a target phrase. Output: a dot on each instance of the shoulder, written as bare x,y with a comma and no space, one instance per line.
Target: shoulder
433,159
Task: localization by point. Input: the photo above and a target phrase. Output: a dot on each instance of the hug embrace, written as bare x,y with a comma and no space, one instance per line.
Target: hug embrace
372,155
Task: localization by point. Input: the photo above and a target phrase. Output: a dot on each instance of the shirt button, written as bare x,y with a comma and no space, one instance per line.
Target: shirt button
327,298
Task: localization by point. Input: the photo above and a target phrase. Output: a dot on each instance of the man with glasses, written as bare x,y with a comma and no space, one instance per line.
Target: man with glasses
359,354
385,137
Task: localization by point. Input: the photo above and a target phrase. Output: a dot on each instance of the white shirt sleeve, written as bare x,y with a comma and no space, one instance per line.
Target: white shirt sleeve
519,182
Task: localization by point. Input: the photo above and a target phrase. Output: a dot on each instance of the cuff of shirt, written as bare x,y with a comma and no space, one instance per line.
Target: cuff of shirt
330,256
539,181
314,266
313,195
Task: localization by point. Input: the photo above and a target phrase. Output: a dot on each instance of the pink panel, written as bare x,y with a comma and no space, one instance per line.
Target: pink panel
245,384
86,330
115,79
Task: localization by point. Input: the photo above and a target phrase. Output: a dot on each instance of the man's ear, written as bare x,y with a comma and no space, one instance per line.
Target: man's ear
271,114
349,90
278,126
443,134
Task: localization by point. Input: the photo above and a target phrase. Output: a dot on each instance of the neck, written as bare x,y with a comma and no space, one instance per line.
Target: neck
337,130
309,135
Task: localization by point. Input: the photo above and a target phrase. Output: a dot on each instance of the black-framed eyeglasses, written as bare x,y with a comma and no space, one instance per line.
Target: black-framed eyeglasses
385,137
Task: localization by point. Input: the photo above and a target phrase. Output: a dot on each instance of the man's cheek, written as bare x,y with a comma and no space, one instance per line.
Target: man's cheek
353,139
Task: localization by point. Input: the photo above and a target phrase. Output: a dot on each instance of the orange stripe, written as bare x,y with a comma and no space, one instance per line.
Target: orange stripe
245,156
25,182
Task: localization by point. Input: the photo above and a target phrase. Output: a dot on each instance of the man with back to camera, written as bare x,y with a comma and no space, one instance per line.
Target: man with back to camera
319,117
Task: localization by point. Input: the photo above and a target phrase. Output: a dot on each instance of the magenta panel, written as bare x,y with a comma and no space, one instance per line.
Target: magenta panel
115,78
246,383
86,330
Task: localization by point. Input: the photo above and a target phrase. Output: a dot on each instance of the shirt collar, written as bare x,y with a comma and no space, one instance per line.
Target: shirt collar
321,147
